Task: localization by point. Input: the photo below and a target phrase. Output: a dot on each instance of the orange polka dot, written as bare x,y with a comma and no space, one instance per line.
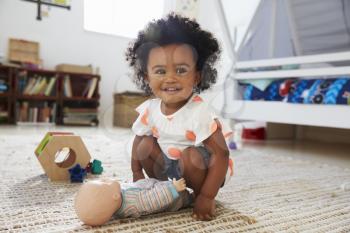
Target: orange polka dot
155,132
230,166
228,134
144,118
197,99
213,127
175,153
190,135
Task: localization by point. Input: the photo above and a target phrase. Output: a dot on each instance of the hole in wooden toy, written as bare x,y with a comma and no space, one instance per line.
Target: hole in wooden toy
65,157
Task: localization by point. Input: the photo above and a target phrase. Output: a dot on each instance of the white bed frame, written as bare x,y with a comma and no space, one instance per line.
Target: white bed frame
337,116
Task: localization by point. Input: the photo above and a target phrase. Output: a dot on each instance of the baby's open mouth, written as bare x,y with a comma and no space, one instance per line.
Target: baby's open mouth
171,89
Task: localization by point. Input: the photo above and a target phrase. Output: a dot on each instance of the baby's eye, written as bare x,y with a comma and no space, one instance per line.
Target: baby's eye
159,71
181,70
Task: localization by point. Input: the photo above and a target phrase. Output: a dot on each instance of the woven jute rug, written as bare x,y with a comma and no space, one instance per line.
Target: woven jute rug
269,193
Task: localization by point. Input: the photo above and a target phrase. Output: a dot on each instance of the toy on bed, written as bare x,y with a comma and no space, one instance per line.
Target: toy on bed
307,91
299,90
328,91
276,90
97,201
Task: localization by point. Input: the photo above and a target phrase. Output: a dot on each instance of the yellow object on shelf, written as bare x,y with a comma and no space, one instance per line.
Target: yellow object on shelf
74,68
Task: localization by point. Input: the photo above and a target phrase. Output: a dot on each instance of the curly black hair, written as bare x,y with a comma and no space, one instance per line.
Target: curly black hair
174,29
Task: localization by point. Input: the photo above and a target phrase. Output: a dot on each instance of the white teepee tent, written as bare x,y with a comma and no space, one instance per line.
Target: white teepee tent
284,28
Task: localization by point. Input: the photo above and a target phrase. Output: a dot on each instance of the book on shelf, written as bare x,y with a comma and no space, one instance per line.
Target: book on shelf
22,81
67,87
3,116
92,87
28,86
34,115
22,110
86,89
82,122
80,116
40,113
50,86
34,89
79,110
53,111
3,88
38,86
41,87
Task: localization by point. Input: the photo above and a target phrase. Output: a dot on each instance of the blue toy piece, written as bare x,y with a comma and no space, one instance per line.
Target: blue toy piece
77,174
232,145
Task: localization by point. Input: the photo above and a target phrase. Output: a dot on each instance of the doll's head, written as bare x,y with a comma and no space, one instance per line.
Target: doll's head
96,201
175,53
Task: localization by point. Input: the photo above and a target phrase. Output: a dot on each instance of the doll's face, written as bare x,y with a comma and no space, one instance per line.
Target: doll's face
172,74
96,201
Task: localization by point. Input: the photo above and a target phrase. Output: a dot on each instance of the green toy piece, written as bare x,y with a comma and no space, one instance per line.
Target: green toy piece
96,167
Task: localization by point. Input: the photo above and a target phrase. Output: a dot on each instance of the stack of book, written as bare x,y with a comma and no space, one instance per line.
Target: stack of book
29,113
37,86
80,116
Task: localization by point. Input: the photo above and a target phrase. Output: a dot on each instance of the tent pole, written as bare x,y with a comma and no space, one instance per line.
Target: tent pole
225,29
292,26
273,29
249,26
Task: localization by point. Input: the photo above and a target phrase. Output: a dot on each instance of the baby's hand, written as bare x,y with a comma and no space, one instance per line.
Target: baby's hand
204,208
138,176
180,185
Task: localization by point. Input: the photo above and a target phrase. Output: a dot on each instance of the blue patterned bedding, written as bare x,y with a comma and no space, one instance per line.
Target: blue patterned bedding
305,91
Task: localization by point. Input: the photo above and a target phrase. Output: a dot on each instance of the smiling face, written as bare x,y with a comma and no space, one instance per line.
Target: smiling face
172,74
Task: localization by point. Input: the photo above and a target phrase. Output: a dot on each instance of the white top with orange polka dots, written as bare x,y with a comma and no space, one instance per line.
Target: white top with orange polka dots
189,126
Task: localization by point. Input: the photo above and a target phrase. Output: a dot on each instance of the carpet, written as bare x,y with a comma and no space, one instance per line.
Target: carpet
269,193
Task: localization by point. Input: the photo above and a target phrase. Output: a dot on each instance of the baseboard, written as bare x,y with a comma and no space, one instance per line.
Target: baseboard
321,134
324,134
275,131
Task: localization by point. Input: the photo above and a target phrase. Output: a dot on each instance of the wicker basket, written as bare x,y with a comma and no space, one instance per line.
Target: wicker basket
124,108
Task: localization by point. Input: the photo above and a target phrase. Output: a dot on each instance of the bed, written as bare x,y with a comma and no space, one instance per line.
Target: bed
327,69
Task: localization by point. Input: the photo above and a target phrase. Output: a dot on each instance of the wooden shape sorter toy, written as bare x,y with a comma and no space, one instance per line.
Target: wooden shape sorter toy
56,144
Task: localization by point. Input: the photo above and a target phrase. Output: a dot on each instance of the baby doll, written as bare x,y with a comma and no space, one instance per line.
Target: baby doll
97,201
177,133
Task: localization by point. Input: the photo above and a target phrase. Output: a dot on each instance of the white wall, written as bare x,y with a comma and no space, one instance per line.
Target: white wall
63,40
